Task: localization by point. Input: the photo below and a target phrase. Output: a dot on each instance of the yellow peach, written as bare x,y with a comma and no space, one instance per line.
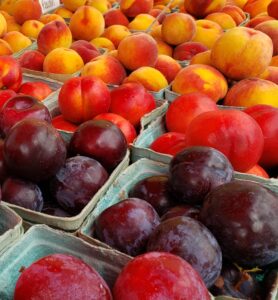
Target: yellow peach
223,19
5,48
63,12
143,22
73,5
17,40
116,33
31,28
3,25
102,42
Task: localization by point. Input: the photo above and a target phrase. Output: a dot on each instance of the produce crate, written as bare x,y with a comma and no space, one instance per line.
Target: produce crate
10,227
119,190
40,241
70,223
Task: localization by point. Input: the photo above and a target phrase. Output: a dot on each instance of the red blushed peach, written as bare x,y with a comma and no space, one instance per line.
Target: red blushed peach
107,68
83,98
132,8
201,78
27,10
102,42
272,9
201,8
163,48
60,123
178,28
274,61
47,18
86,23
258,20
271,29
235,12
158,14
223,19
202,58
156,32
207,32
85,49
168,66
115,17
38,90
271,74
242,52
62,61
5,95
116,33
10,73
256,7
5,48
252,91
137,50
186,51
53,35
32,59
152,79
31,28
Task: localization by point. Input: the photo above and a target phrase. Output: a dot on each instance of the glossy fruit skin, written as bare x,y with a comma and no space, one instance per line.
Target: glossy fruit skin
61,276
191,240
101,140
22,193
10,73
181,211
169,143
3,168
242,215
32,59
127,225
5,95
34,150
195,171
38,90
258,171
77,181
159,276
60,123
232,132
154,190
21,107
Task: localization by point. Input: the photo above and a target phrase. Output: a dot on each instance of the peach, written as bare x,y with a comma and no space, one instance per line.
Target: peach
253,91
235,12
47,18
272,9
207,32
258,20
86,23
159,14
53,35
31,28
242,52
168,66
202,58
27,10
8,6
223,19
271,74
63,12
274,61
143,22
163,48
85,49
107,68
6,15
113,53
101,5
186,51
132,8
62,61
178,28
116,33
73,5
3,25
271,29
102,42
32,59
115,16
201,8
10,73
201,78
5,48
17,40
13,26
256,7
38,90
137,50
239,3
156,32
150,78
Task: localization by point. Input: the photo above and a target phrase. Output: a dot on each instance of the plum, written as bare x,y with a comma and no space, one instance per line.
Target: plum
127,225
61,276
3,168
242,215
74,185
181,211
197,170
191,240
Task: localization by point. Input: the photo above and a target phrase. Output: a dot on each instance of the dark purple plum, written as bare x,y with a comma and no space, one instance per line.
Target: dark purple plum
195,171
101,140
154,190
77,181
56,211
182,211
3,168
191,240
34,150
127,225
242,215
22,193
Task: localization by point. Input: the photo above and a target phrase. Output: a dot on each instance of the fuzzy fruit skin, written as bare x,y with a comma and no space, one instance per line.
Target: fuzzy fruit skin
10,73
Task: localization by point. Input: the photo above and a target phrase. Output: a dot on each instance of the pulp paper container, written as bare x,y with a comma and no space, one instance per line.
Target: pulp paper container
40,241
70,223
247,19
10,227
119,190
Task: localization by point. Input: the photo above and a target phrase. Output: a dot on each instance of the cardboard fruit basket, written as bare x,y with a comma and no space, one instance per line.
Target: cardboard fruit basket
40,241
136,172
10,227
